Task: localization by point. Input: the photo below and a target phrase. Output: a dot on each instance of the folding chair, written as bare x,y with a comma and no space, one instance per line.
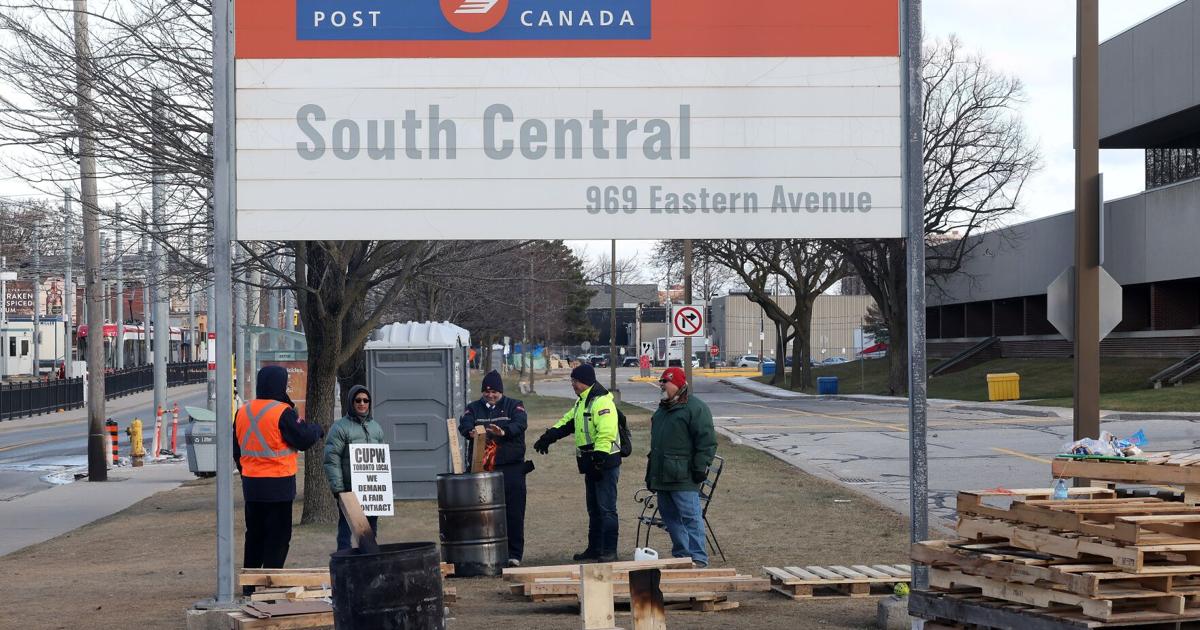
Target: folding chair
649,518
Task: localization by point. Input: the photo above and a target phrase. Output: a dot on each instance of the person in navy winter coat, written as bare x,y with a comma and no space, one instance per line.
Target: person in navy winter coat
504,421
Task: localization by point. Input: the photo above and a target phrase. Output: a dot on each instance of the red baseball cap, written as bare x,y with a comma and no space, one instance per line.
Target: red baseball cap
675,375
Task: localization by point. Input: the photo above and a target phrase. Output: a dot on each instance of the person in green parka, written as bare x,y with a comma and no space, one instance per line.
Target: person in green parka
682,445
356,427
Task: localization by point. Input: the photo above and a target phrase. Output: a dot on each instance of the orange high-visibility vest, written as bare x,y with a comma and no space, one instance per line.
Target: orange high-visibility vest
264,453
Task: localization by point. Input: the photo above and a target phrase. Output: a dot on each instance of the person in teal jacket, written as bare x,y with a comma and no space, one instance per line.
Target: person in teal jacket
682,445
593,421
356,427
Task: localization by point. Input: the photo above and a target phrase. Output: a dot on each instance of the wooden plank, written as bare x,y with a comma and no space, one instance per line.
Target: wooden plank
825,573
558,586
1131,473
362,536
289,580
848,572
803,574
456,456
478,449
242,621
596,596
874,573
646,600
572,570
894,571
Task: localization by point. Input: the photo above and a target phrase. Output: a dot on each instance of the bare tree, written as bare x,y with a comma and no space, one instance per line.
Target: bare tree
807,268
977,157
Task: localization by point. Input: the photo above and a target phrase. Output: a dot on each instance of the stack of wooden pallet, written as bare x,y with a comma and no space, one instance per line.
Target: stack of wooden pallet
683,587
1093,559
294,598
859,580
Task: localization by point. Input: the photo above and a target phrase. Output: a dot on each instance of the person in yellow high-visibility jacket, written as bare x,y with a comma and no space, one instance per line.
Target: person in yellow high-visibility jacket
593,420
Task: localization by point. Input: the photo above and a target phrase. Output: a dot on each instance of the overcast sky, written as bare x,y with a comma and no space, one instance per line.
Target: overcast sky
1032,39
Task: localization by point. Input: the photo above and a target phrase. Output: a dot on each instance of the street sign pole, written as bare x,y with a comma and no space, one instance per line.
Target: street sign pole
223,206
1087,221
910,82
687,299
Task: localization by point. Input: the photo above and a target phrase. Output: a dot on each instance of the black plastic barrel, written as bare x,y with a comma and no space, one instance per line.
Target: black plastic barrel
471,523
399,588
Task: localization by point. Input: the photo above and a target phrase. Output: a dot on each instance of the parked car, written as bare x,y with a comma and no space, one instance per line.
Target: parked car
629,362
835,361
598,360
751,361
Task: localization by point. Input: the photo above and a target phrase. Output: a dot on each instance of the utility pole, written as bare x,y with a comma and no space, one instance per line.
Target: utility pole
162,315
1087,220
687,300
612,328
147,270
37,311
68,290
97,440
120,338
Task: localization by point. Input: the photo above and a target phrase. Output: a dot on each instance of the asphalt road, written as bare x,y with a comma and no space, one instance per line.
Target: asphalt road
33,450
865,445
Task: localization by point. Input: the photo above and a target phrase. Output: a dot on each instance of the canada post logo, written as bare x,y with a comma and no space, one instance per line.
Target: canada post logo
474,16
433,20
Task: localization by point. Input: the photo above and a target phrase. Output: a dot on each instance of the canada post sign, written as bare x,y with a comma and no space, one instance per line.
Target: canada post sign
472,19
582,119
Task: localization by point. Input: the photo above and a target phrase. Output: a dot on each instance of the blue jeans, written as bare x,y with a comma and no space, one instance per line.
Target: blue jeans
343,535
602,510
680,512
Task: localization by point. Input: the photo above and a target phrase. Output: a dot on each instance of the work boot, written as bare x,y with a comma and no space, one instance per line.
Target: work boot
513,562
586,555
610,556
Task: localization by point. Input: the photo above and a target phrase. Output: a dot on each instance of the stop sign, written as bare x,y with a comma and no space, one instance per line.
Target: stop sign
714,351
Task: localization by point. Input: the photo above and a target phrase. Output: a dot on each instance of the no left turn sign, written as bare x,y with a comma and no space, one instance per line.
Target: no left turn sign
688,321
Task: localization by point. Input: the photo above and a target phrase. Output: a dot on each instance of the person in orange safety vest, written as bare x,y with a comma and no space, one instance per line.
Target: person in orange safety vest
267,437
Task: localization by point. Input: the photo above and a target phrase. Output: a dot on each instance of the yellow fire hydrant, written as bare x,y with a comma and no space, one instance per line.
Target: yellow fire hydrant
137,450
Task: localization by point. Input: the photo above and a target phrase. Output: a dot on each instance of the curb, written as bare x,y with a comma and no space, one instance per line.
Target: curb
1010,411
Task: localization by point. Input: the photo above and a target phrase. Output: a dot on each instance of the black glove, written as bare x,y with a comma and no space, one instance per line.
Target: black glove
699,477
542,445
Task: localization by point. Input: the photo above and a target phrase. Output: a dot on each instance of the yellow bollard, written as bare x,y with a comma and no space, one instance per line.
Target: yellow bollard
137,449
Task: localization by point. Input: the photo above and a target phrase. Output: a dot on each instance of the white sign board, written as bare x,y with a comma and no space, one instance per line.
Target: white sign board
371,478
687,321
594,119
646,349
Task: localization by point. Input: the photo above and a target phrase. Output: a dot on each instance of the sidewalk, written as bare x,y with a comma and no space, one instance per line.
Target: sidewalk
111,407
770,391
40,516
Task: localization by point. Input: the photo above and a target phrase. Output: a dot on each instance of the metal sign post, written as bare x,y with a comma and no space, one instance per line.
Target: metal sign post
918,468
223,204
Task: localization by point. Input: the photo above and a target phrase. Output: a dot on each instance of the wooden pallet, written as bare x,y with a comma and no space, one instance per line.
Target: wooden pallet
1043,596
1157,549
837,581
1178,469
1096,580
540,589
1132,521
964,610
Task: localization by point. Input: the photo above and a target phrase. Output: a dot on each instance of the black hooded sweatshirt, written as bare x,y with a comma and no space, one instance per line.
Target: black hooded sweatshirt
271,384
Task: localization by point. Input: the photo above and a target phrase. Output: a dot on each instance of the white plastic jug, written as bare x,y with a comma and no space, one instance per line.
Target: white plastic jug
644,553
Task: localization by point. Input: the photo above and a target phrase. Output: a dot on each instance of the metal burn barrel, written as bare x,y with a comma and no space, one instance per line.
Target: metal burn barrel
471,523
398,588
